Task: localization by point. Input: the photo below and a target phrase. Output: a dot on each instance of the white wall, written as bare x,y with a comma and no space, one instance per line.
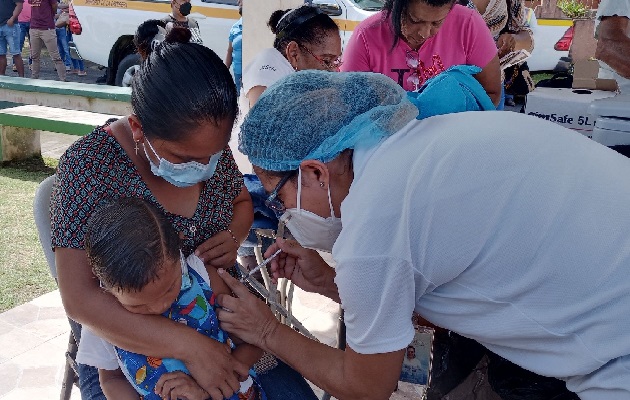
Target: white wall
256,33
256,36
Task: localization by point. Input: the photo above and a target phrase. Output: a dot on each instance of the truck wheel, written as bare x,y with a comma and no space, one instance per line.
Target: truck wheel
126,69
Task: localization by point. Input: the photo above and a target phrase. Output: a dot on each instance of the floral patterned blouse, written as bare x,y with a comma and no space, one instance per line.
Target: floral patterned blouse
96,169
505,16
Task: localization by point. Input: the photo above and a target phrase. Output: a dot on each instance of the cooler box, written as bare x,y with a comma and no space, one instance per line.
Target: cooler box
566,107
612,123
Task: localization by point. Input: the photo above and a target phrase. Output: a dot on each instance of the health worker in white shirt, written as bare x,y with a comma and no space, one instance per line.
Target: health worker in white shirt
504,228
305,38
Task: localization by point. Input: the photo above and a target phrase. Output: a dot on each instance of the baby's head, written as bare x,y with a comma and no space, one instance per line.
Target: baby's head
134,251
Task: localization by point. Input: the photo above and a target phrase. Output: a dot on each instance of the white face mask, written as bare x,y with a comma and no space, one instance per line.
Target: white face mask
309,229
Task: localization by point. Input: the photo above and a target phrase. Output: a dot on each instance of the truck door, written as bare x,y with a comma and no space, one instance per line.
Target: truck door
338,10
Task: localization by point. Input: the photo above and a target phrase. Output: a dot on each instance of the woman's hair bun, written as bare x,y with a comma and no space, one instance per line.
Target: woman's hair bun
145,34
276,16
149,31
178,35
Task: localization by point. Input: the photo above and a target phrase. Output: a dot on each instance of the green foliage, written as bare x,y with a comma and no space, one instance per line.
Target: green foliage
574,9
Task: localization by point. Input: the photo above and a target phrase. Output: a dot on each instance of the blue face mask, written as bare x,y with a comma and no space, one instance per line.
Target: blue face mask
184,174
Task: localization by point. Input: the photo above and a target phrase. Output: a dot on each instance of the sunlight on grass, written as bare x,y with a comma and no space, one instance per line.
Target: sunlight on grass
23,270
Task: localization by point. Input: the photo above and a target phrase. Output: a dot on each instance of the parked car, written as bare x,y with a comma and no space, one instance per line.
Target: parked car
552,40
107,27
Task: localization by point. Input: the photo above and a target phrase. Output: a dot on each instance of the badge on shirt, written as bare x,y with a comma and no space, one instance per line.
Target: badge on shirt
416,367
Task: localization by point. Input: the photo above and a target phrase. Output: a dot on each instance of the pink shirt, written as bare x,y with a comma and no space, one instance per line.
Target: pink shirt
464,38
25,14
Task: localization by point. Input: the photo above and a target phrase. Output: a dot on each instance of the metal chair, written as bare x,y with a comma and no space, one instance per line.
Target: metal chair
41,211
280,296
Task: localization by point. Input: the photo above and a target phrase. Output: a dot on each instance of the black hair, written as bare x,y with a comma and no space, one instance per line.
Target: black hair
127,242
396,8
179,84
303,25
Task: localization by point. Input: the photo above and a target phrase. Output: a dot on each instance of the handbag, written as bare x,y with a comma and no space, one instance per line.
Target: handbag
73,22
518,81
62,20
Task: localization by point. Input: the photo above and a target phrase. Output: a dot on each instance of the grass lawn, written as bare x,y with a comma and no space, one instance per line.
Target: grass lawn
23,270
539,76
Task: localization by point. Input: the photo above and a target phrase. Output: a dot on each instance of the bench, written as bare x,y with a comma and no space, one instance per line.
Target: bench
20,127
69,95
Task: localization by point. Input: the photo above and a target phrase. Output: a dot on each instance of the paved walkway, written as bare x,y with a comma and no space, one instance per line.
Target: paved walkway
33,341
34,338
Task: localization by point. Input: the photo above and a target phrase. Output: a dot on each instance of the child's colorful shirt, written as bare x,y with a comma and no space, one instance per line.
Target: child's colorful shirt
195,307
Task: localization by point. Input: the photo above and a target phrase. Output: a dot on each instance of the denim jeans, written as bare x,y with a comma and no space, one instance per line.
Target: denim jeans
77,64
9,40
280,383
501,105
62,44
24,27
285,383
89,384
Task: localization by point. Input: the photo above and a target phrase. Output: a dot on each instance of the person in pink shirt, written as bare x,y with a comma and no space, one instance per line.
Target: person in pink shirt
413,40
24,21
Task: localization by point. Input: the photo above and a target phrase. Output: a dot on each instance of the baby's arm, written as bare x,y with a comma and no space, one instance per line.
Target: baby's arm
115,386
244,352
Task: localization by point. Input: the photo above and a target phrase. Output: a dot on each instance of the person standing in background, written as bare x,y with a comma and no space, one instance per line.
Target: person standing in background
78,67
612,30
234,57
24,21
42,33
9,35
61,25
179,17
64,37
507,21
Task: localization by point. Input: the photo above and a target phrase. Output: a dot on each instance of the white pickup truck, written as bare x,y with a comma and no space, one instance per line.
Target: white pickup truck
108,27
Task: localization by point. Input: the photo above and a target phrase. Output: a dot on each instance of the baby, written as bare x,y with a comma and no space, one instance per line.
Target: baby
134,251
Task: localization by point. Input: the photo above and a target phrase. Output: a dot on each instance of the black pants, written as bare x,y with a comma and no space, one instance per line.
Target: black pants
455,357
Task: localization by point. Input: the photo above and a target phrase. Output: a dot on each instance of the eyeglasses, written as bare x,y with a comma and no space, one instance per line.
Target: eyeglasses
330,65
413,61
421,71
272,201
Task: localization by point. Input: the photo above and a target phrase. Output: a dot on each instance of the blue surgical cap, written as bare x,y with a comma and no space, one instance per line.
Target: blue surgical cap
315,115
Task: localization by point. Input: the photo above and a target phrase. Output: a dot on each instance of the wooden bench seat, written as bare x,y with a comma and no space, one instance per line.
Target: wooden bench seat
69,95
20,126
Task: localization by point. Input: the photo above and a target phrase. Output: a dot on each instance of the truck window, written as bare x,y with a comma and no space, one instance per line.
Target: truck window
229,2
369,5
